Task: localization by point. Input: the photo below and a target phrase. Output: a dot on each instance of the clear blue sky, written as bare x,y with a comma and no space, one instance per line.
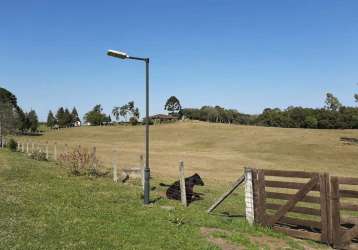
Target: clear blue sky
246,55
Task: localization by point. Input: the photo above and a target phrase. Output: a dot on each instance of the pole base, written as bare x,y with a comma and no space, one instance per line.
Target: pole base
146,185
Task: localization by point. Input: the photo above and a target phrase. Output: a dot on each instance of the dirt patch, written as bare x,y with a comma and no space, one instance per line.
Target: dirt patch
219,242
272,243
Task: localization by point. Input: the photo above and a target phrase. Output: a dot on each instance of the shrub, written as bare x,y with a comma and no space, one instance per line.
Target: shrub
38,155
12,145
311,122
145,121
81,162
133,121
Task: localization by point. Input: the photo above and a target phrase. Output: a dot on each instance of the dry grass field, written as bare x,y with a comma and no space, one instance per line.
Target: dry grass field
218,152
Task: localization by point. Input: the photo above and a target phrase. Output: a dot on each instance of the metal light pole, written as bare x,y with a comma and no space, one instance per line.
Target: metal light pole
122,55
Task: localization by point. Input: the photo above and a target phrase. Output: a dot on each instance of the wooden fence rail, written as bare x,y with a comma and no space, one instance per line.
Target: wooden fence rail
310,206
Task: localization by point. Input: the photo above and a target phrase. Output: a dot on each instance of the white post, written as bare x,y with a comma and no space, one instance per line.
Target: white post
55,152
27,147
114,165
182,184
47,150
249,197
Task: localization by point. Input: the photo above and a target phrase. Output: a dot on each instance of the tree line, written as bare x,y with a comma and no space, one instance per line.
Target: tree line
332,116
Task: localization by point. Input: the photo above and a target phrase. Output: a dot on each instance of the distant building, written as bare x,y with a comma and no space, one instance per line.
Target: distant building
77,124
163,118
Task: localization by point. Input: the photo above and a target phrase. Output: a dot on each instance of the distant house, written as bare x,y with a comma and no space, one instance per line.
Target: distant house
87,124
163,118
77,124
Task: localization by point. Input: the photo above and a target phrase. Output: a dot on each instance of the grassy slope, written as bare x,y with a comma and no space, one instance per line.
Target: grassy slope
43,208
218,152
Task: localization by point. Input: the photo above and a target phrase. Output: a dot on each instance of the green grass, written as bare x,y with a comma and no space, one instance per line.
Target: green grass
42,207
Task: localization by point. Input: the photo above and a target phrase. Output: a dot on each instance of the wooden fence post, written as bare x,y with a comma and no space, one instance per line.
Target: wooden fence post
47,150
27,147
325,208
93,163
336,216
114,165
79,162
259,195
182,184
236,184
55,151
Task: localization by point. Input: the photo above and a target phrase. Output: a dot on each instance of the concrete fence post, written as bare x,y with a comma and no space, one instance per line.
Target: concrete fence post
27,147
182,184
249,197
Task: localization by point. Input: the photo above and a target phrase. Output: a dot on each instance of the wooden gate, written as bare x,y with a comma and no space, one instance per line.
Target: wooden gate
344,212
281,197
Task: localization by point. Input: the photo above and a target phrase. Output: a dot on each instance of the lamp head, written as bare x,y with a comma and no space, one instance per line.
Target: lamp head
117,54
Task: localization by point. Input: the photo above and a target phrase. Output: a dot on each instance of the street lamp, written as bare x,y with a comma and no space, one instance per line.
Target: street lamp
123,55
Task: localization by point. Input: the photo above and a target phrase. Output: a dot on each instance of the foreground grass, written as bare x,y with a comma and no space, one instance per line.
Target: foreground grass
43,208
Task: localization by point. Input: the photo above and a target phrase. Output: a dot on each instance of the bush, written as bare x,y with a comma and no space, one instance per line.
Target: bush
145,121
311,122
133,121
81,162
38,155
12,145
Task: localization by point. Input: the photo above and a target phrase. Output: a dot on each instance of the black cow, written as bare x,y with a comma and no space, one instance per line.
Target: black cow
173,191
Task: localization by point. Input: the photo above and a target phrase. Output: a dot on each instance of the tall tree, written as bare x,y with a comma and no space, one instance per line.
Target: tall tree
95,116
67,118
51,120
33,120
10,118
116,112
172,105
332,102
123,111
60,116
7,119
74,115
356,98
